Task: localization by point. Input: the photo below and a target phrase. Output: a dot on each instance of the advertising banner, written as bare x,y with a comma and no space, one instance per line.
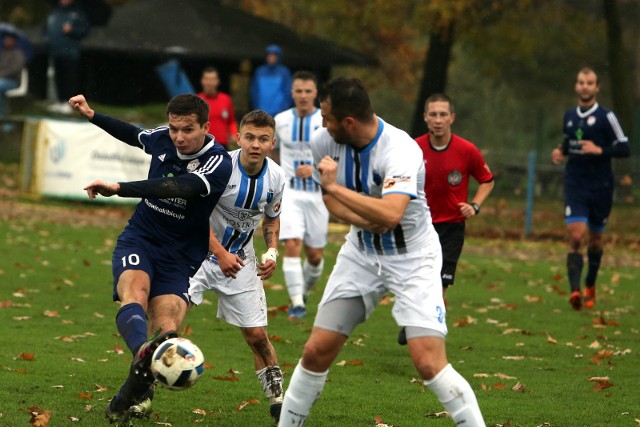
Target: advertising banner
71,155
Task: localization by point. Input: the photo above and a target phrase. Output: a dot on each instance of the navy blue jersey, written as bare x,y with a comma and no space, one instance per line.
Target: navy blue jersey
182,224
601,126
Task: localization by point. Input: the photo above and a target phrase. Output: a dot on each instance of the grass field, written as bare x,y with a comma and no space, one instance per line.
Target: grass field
531,360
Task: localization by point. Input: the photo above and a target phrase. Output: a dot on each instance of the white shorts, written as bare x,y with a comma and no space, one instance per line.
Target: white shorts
414,279
304,216
241,301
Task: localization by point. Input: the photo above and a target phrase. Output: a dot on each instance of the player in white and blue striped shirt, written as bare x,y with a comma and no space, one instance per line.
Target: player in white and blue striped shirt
253,194
372,176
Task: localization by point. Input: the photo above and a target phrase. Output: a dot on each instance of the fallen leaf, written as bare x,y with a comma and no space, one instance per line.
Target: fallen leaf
29,357
199,411
551,340
245,403
86,395
518,387
50,313
40,419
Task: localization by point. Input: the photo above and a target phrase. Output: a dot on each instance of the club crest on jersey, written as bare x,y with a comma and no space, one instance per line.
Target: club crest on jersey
269,196
591,120
455,177
193,165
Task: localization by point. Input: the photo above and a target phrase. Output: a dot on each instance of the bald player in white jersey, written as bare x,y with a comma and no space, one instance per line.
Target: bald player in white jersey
372,176
254,193
305,218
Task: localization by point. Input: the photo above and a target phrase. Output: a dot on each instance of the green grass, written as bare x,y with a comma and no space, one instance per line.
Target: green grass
508,321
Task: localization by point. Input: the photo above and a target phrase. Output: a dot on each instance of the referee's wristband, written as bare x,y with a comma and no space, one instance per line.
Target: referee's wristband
475,207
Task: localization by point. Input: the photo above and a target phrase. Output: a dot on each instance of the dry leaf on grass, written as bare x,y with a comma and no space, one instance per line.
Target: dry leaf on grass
39,417
242,405
29,357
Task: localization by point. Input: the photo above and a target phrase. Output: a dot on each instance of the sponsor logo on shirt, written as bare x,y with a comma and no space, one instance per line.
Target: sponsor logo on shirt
161,157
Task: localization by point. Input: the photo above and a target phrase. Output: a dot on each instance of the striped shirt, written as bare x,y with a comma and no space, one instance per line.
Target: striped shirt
243,204
293,134
391,163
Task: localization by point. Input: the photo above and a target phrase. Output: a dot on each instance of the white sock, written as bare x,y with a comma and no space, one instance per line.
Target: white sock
303,391
457,397
311,274
293,277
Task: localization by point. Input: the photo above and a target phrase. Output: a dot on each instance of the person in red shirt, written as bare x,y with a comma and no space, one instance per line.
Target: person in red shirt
450,160
222,118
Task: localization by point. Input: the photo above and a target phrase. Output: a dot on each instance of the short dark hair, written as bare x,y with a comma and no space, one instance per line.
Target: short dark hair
258,118
305,75
210,69
187,104
348,98
439,97
587,70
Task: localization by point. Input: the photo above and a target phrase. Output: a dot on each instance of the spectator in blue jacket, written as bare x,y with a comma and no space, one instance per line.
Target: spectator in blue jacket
271,84
67,25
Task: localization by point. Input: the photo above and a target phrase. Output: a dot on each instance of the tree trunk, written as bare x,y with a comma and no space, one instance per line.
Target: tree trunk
621,87
434,76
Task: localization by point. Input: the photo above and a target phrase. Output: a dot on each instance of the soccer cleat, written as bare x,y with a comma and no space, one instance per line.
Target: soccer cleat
142,360
297,312
576,300
119,417
590,297
143,408
275,409
272,385
402,336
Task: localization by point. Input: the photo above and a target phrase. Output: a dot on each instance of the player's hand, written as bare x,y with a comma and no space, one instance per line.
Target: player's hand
268,266
374,228
466,209
556,156
588,147
80,104
105,189
304,171
328,169
229,263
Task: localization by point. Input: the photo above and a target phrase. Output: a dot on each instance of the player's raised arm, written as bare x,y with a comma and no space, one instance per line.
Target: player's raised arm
123,131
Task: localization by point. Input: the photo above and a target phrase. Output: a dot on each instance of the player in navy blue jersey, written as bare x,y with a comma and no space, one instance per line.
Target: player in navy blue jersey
592,136
166,239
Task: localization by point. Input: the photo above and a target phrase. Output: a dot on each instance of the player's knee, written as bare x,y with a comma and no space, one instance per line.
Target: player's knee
255,337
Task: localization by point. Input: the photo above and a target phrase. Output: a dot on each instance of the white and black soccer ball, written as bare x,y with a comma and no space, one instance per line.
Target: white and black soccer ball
177,363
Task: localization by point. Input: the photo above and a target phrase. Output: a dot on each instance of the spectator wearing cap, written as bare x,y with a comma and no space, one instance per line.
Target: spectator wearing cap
271,84
12,61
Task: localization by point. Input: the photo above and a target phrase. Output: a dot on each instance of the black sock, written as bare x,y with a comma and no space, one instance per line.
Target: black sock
594,257
575,262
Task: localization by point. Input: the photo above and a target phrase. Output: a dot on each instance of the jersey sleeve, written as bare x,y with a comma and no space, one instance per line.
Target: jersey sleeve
215,173
619,141
402,165
319,149
273,207
479,169
120,130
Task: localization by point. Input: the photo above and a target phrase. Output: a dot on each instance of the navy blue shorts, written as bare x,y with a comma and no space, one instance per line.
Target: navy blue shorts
168,273
590,205
451,235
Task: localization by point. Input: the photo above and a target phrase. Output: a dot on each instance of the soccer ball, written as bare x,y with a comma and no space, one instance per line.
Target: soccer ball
177,363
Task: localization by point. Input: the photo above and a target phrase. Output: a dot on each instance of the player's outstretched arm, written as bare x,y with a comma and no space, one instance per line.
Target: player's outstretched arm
123,131
105,189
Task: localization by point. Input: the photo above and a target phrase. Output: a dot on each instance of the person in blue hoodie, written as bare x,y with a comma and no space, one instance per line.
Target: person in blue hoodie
67,25
271,84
